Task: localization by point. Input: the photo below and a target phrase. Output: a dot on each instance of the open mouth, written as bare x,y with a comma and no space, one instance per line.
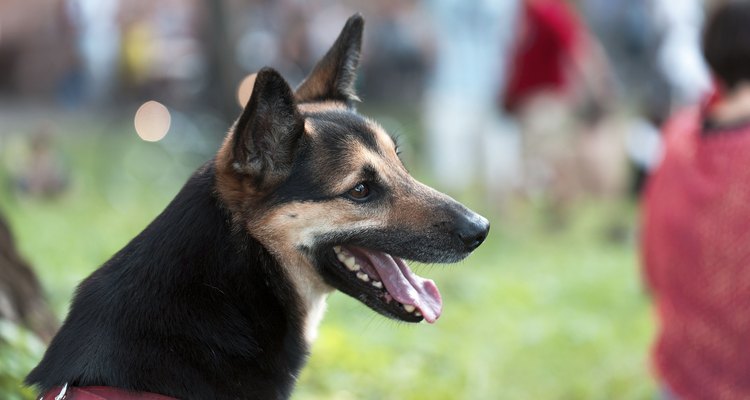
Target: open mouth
402,293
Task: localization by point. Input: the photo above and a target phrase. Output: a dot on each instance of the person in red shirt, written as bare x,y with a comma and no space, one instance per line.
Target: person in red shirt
549,38
559,87
696,234
554,52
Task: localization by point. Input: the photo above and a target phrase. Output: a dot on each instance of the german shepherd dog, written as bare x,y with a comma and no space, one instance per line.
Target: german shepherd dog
221,295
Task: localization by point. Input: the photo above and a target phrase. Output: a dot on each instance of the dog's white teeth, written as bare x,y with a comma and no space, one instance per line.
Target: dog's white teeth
337,249
409,307
351,264
377,284
417,313
363,276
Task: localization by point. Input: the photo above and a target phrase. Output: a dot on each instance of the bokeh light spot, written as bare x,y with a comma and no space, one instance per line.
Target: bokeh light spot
245,89
152,121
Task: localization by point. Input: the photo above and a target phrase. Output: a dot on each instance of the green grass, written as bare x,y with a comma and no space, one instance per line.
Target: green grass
533,314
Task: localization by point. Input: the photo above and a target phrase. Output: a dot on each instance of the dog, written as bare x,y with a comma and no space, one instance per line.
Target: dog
221,295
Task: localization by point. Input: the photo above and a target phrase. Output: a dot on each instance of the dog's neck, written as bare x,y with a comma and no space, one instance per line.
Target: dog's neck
308,284
193,301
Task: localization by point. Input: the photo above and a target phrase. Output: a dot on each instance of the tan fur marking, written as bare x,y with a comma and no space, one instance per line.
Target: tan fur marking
310,128
389,168
232,186
321,106
384,139
297,224
286,229
313,86
415,204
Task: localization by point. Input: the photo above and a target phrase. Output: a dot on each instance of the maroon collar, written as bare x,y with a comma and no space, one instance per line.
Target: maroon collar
99,393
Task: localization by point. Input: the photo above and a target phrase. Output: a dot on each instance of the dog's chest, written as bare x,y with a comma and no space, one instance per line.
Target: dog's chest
316,308
312,293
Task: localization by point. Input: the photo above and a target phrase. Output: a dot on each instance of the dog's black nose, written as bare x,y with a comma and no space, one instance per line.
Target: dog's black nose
472,231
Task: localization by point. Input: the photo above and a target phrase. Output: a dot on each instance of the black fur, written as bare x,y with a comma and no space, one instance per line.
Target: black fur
308,184
343,126
190,308
266,134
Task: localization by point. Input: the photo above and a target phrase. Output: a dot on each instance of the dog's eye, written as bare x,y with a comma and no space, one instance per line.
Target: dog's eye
360,191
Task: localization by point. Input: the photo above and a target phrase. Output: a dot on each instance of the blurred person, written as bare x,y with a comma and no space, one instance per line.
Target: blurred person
38,58
559,89
551,40
679,25
397,31
682,22
98,44
632,36
161,54
696,247
465,131
44,173
645,39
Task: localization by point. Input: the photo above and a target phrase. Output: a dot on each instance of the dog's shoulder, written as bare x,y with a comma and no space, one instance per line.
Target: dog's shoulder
190,308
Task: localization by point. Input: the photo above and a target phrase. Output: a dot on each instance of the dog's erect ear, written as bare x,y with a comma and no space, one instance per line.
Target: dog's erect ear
334,75
266,135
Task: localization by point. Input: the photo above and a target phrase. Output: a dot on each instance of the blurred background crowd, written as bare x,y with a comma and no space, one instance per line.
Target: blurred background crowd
476,75
545,114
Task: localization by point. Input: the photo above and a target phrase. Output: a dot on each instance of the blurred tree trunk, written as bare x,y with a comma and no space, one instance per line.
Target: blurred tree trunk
21,298
222,72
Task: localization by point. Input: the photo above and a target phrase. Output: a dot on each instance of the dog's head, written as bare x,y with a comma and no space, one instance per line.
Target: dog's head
323,188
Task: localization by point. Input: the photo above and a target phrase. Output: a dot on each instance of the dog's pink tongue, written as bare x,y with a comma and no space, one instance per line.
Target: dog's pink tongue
407,287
